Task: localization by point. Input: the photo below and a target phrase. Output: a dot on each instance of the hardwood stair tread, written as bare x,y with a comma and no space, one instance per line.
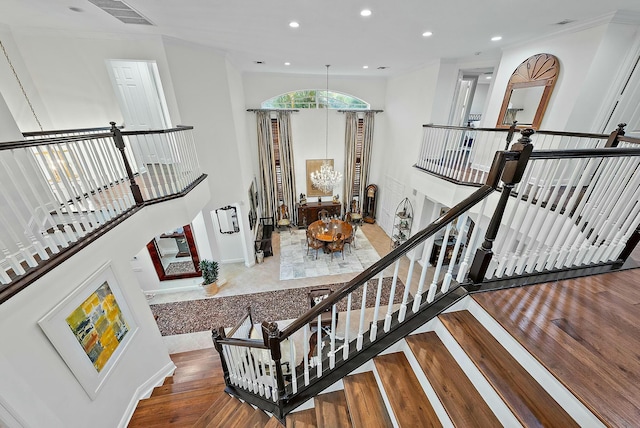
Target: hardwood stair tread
259,419
212,412
240,419
181,409
302,419
408,400
225,415
331,410
274,423
462,401
526,398
172,388
365,403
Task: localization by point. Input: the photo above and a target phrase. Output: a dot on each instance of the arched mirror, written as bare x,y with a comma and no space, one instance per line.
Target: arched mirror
528,91
174,254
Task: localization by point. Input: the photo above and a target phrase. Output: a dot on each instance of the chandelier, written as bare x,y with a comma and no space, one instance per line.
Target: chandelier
326,178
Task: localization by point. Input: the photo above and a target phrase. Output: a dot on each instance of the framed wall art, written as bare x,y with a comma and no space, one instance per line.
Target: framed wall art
91,329
314,165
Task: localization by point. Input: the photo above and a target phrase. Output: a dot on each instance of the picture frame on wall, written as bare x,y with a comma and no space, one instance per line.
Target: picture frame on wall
91,329
314,165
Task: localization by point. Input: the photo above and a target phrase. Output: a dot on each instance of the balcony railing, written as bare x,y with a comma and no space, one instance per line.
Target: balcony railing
464,154
546,196
62,186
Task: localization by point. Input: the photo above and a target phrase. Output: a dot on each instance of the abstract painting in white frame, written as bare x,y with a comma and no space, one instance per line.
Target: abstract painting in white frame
91,329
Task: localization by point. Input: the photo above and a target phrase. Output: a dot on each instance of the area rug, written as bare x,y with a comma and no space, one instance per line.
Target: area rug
201,315
176,268
295,263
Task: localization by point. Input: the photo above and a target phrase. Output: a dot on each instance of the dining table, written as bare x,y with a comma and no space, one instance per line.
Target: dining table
327,231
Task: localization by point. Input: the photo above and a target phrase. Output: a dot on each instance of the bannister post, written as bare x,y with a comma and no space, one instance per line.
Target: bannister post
512,174
512,130
218,335
613,141
271,337
631,245
119,141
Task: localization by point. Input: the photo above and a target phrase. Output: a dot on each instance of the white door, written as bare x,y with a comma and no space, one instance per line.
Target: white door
142,103
393,194
626,107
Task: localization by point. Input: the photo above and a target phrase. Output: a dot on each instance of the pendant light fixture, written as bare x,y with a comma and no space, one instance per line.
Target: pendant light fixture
326,178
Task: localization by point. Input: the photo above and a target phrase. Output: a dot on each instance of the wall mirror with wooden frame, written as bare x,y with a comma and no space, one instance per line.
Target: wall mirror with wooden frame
174,254
528,92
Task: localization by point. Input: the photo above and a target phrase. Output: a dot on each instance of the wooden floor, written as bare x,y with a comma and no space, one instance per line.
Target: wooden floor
586,331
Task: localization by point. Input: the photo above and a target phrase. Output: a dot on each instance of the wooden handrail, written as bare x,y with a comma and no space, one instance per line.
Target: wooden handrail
177,128
10,145
384,262
245,343
67,131
585,153
505,130
240,322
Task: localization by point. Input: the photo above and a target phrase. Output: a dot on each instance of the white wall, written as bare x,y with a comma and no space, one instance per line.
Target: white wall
202,87
70,74
36,384
309,125
575,51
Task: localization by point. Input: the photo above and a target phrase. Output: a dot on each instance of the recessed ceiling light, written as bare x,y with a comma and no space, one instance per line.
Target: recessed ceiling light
488,77
427,34
287,63
365,66
365,12
294,24
496,38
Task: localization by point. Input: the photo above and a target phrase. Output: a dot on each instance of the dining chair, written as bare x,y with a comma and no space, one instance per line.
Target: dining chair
284,219
324,215
313,243
336,246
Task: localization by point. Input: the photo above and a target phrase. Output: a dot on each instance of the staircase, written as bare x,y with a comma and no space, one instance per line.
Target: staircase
452,372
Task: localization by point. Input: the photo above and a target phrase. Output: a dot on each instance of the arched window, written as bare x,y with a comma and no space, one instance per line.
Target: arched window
315,98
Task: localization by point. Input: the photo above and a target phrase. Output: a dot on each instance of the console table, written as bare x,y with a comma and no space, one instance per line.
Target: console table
308,213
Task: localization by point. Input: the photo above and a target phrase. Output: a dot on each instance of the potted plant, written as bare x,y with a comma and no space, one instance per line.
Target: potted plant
209,269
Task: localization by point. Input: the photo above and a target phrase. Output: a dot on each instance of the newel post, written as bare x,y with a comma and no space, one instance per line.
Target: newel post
512,174
119,141
217,335
613,141
271,337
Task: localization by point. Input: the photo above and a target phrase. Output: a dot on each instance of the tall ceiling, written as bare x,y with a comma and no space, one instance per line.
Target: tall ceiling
330,31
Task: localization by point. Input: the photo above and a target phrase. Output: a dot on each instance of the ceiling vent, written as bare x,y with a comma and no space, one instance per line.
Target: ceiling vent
122,11
565,22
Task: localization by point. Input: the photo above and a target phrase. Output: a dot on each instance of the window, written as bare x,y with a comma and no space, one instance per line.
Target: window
315,98
275,135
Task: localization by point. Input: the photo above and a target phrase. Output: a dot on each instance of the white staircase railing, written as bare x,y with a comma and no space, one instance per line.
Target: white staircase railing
58,187
464,154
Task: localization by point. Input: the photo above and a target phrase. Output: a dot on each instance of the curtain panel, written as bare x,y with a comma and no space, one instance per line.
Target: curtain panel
269,169
351,143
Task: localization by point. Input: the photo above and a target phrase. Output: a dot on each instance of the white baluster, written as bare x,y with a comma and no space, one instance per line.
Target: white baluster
332,354
361,324
373,332
462,231
345,350
319,347
434,284
407,287
292,366
472,245
305,349
392,294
